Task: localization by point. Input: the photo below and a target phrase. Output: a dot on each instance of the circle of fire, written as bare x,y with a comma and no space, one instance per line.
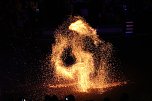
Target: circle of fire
90,66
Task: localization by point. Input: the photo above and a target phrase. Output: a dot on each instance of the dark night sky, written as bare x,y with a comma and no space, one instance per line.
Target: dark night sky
26,40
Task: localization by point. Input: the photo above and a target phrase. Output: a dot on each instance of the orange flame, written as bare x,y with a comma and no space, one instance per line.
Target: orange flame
90,67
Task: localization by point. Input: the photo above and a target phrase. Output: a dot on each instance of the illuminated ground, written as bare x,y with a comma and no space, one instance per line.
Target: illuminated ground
37,93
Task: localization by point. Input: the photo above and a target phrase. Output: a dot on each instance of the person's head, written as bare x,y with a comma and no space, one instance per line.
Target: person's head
51,98
70,98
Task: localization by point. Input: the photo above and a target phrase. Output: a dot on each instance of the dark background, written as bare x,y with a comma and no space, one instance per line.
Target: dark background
26,35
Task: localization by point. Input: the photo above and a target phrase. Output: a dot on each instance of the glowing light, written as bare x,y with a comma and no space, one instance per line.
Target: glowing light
82,28
90,69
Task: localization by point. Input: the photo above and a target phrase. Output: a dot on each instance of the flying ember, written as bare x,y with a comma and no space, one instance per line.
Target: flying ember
80,59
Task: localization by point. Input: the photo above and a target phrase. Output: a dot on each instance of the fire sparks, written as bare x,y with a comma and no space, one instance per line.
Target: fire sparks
80,59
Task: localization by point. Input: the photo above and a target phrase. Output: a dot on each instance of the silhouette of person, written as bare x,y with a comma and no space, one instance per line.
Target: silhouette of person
70,98
51,98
